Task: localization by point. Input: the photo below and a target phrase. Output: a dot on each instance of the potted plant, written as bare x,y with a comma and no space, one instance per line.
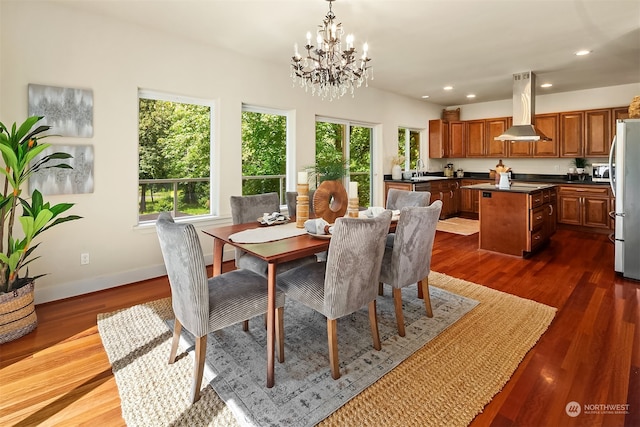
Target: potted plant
580,163
396,167
19,147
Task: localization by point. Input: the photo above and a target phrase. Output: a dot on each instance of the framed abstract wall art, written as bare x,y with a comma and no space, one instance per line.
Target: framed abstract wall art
68,111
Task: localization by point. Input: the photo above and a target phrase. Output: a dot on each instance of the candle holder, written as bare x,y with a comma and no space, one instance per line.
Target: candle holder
353,210
302,205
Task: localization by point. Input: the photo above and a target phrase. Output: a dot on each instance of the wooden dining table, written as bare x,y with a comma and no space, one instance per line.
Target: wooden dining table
274,253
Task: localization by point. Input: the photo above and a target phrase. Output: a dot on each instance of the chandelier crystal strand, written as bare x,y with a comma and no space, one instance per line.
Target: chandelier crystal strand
328,70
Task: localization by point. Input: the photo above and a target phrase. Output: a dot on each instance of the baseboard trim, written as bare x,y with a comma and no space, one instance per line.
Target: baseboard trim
94,284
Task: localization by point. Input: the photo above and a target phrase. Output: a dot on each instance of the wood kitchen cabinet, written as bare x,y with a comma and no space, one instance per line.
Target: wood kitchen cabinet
456,139
446,139
572,134
585,207
447,190
469,199
474,139
516,222
480,137
619,113
406,186
548,125
597,133
494,128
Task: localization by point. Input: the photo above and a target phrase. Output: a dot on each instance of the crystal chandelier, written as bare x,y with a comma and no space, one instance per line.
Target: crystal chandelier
327,69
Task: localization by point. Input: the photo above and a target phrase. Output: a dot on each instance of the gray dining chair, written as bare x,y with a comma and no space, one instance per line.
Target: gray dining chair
246,209
292,201
202,305
347,281
398,199
408,261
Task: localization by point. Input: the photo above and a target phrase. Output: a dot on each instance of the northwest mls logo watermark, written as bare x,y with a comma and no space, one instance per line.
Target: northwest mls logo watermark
573,409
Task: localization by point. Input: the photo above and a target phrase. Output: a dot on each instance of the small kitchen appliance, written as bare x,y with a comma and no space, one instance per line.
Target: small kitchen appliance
601,172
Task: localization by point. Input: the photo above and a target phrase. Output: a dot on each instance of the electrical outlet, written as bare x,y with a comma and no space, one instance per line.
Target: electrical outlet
557,168
84,259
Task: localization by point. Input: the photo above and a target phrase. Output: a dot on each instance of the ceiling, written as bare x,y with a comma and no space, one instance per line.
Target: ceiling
419,46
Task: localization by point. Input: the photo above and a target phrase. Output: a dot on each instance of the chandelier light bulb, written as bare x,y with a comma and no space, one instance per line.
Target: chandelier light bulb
326,69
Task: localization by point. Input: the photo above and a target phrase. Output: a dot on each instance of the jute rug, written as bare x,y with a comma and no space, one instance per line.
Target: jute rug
458,225
446,382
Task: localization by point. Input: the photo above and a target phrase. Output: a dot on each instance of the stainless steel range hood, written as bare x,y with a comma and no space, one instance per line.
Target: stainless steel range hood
523,109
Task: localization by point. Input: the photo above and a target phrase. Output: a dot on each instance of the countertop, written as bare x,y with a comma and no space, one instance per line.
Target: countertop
516,187
515,178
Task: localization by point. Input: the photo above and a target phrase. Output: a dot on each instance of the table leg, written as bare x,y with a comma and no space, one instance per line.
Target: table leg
218,246
271,311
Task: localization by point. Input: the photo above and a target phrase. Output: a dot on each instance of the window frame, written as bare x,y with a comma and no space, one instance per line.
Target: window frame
214,184
290,170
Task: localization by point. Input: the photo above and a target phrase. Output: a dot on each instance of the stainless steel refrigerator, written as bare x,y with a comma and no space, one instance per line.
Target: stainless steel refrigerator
624,162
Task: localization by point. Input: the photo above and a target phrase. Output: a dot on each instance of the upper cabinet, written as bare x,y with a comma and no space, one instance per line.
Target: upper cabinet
572,134
586,133
446,139
597,135
480,136
494,128
548,125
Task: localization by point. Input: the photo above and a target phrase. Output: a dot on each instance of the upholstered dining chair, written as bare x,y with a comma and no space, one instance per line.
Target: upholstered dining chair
347,281
398,199
248,209
204,305
292,202
408,261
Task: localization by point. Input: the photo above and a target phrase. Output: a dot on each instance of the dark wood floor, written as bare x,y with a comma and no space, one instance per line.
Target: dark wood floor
59,374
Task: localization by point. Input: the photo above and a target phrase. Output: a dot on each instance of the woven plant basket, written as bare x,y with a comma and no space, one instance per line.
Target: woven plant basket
17,313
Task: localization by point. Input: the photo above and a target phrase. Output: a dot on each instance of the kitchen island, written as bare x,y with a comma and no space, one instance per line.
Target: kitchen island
518,220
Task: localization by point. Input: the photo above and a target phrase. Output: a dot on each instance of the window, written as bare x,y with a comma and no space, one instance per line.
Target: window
353,142
409,147
174,146
264,151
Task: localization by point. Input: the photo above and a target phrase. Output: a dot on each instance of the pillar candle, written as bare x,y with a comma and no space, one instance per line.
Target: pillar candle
353,190
303,178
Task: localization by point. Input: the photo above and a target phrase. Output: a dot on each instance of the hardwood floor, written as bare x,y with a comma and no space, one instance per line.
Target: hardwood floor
59,374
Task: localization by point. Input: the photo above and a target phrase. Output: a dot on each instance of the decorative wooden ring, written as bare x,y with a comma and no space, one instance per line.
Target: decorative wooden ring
330,201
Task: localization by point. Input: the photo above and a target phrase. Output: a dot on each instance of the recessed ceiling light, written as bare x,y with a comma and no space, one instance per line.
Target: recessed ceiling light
448,88
583,52
425,96
546,85
471,95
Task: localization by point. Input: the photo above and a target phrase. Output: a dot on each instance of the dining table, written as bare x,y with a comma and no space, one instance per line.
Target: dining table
274,253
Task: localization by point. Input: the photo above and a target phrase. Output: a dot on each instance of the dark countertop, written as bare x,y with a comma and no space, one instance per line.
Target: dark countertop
550,179
515,187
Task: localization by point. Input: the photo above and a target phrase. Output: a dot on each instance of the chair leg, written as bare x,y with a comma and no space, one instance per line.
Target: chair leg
397,303
332,336
381,289
280,333
420,296
373,322
245,325
198,368
424,285
177,329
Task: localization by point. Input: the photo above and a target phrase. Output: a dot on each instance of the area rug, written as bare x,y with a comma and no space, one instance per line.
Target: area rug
445,382
458,225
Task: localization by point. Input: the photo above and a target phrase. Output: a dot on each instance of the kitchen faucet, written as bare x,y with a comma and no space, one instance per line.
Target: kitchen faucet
419,167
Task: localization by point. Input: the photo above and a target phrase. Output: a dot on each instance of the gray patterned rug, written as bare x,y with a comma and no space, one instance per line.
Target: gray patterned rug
304,392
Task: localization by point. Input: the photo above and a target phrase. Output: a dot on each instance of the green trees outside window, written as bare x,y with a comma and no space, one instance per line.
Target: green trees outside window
174,158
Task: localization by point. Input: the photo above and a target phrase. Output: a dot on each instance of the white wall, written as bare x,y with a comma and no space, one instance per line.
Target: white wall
46,43
614,96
